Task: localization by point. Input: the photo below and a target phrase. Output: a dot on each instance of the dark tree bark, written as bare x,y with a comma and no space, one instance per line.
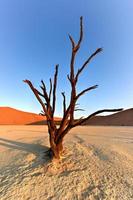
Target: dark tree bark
56,134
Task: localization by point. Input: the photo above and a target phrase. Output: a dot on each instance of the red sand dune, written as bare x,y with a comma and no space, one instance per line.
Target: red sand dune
11,116
123,118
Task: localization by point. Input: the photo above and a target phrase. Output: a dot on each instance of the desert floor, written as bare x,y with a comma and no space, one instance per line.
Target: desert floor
98,164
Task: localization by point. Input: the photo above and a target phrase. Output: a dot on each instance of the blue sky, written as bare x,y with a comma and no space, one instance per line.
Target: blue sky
34,37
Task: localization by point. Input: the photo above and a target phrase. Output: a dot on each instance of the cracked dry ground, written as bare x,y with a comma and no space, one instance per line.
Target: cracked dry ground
98,164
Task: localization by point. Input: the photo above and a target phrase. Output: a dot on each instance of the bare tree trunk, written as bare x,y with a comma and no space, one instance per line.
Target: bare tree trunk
56,149
48,99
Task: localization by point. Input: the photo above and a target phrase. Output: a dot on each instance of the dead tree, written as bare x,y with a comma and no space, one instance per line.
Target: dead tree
48,99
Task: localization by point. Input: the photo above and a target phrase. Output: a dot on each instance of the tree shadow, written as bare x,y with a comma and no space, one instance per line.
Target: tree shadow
31,161
37,149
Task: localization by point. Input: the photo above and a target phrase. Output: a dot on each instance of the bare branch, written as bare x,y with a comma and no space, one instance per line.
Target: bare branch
38,98
80,122
42,113
68,78
43,87
75,48
86,90
64,102
54,87
43,84
81,33
86,62
50,91
72,67
79,109
39,93
72,41
71,77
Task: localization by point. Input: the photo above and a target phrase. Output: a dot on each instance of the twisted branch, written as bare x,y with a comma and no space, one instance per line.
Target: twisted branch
38,98
81,121
64,102
86,63
86,90
54,87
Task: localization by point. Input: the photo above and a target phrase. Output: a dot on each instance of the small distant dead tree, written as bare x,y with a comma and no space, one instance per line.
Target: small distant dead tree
48,100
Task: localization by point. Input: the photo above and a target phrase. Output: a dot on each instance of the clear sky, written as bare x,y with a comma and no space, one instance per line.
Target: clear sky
34,37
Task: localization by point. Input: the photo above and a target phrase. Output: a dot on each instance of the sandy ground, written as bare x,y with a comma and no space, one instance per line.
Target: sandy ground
98,164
